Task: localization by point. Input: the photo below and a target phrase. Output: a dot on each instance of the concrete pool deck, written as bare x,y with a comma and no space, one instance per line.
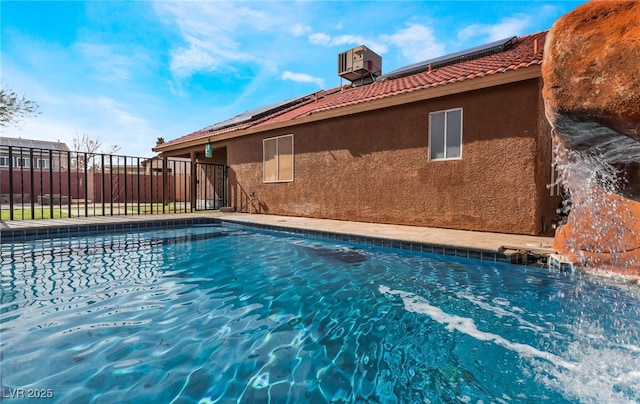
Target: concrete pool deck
445,238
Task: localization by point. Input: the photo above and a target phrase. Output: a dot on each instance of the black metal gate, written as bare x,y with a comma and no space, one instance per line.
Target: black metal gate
41,184
211,186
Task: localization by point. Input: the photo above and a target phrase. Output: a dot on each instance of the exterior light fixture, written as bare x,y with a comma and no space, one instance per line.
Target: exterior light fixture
208,150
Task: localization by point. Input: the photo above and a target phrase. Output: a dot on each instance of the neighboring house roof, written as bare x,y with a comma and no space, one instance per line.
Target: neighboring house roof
518,53
35,144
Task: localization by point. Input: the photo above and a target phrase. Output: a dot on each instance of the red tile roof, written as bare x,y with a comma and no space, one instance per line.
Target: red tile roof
525,52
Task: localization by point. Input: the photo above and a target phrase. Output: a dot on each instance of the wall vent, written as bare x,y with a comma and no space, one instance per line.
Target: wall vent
359,65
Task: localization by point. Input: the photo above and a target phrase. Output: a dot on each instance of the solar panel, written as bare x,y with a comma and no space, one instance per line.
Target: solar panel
35,144
452,58
255,113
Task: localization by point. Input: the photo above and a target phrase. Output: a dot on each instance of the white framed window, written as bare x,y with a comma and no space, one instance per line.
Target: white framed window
445,134
4,161
42,163
21,162
277,159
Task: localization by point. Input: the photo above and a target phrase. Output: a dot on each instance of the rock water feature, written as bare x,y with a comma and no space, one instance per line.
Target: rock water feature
591,73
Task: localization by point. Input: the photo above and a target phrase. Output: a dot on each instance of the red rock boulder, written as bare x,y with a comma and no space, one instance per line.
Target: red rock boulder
605,237
591,73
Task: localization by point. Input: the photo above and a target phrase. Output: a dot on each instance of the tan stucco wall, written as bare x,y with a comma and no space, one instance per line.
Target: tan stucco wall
374,166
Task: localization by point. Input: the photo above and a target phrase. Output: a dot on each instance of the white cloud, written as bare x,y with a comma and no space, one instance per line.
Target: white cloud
348,40
112,63
503,29
188,60
300,29
416,43
302,78
212,33
319,38
119,113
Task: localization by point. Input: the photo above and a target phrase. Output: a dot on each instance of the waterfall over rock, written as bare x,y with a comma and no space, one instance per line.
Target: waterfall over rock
591,73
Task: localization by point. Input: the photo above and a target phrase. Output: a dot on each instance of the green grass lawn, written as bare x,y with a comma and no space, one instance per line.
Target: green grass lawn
93,210
157,208
19,214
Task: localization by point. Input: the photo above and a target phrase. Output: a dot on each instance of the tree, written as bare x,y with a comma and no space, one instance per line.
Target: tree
159,141
13,108
84,144
86,147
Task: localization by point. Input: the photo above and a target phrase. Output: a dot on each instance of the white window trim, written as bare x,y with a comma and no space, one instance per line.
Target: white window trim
264,171
21,162
445,133
41,163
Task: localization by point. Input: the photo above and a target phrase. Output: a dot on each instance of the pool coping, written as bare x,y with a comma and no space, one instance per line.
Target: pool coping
82,228
495,247
517,257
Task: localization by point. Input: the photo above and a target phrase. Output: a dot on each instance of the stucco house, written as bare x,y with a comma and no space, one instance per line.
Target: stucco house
460,141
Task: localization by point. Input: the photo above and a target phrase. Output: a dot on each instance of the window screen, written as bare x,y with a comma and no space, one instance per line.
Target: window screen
445,134
278,159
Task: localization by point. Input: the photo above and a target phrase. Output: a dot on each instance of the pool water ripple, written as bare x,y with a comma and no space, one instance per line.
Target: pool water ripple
226,314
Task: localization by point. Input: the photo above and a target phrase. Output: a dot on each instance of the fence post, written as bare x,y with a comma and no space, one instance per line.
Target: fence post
125,185
164,182
111,182
32,188
51,184
86,186
184,189
151,187
103,194
69,182
138,177
194,182
11,183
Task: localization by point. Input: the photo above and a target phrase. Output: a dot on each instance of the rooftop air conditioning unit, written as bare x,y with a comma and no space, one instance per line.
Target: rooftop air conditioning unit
359,65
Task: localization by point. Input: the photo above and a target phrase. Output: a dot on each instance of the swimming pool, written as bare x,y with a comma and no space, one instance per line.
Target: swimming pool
224,313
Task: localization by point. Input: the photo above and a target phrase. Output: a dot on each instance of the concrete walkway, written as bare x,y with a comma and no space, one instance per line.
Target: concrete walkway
472,240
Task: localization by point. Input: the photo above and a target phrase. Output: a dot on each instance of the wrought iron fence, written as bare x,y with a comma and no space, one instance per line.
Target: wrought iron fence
40,183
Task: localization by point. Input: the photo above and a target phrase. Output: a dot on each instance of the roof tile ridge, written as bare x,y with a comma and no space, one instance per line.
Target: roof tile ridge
308,99
535,40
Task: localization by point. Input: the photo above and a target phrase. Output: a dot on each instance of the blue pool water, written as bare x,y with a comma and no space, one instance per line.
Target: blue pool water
227,314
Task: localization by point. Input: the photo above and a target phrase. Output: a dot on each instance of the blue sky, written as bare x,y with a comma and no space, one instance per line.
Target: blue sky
128,72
